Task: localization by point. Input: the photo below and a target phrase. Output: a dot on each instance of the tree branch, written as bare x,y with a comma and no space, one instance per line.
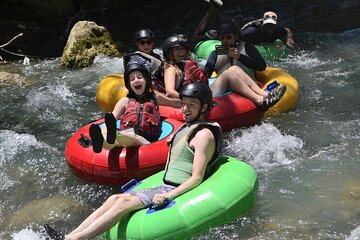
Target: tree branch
17,36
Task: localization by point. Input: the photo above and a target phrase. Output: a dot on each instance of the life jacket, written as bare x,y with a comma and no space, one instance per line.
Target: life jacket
144,118
181,157
223,62
255,23
191,72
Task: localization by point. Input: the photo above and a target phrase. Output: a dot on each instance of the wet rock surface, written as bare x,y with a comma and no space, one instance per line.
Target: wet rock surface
86,41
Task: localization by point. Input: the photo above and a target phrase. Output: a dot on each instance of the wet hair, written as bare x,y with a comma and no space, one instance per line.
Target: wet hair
230,26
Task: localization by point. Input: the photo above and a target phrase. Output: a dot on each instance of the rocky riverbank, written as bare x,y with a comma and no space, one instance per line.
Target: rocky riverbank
46,24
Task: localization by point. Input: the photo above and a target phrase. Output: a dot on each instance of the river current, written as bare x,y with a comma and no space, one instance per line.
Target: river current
307,160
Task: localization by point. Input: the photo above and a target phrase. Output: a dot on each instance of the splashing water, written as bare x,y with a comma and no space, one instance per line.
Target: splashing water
355,234
264,147
307,160
27,234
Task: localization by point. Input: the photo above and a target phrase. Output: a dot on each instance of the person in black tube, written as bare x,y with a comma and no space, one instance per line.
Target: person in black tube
266,30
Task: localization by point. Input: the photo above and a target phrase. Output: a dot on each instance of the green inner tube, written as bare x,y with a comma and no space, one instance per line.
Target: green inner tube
229,192
274,51
204,48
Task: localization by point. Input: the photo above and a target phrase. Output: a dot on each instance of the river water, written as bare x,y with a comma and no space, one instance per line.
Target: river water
307,160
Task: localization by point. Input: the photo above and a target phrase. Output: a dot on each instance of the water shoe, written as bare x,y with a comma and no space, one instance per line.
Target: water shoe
110,123
273,98
96,138
52,233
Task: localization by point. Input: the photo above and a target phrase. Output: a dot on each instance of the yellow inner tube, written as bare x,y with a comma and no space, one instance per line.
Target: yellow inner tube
109,91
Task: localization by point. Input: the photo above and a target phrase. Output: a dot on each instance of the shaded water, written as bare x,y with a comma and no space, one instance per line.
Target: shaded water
308,160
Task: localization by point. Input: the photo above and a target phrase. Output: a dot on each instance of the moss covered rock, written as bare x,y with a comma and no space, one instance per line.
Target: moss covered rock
86,41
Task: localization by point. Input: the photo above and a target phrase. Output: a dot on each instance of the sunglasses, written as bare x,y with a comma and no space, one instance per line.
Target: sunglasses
180,48
274,17
148,42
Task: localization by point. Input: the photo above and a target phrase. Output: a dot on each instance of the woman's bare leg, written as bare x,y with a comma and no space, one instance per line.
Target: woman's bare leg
125,138
239,73
236,80
128,138
107,145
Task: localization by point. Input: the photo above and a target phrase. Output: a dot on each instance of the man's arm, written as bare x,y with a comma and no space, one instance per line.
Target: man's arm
253,59
170,82
251,35
289,40
162,99
210,64
204,147
285,35
211,15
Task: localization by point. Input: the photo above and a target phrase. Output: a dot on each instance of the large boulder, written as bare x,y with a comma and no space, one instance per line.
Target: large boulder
86,41
7,79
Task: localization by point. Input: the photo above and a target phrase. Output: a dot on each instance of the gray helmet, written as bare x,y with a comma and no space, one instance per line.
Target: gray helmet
198,90
170,43
143,33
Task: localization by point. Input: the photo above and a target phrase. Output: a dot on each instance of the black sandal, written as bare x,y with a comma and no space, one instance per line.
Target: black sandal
96,138
273,98
110,123
52,233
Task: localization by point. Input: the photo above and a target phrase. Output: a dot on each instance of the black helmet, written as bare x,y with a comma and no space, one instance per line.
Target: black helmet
228,27
198,90
171,42
136,66
143,33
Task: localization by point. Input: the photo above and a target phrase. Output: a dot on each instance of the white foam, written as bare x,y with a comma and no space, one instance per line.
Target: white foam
264,147
109,65
308,60
355,234
13,145
27,234
52,96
